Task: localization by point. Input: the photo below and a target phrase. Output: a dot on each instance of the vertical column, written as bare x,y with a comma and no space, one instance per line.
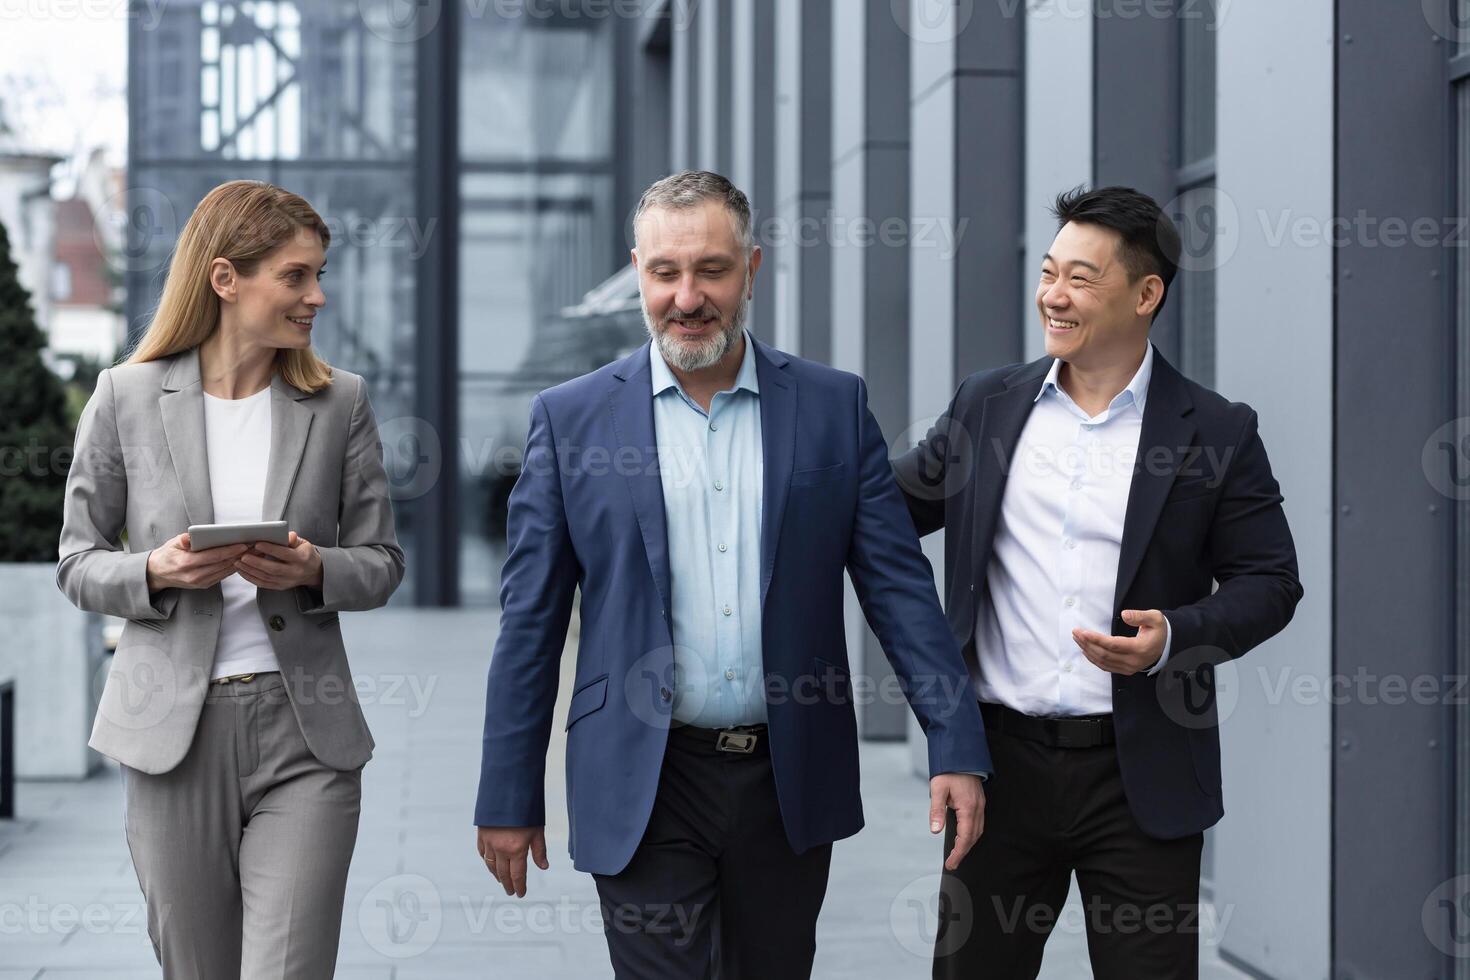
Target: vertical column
1271,868
1397,911
713,97
683,77
1058,130
803,177
435,515
968,146
753,137
870,263
966,115
1135,108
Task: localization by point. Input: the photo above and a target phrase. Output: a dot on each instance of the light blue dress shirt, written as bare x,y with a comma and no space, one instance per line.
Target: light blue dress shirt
712,469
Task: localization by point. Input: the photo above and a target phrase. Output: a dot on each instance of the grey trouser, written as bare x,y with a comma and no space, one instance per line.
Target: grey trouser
242,850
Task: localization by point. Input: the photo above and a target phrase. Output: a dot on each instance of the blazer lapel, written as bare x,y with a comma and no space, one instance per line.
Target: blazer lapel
290,422
631,405
1004,416
182,411
778,446
1163,443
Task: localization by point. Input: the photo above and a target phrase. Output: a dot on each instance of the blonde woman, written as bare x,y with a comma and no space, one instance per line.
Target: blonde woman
230,703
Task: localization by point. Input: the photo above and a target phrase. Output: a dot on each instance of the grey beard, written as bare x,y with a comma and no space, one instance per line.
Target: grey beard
690,356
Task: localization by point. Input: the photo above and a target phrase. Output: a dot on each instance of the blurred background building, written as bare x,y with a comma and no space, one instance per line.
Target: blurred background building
478,163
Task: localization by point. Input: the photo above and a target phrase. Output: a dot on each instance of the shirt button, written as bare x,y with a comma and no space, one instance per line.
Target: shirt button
664,693
1069,544
1068,668
719,485
723,547
729,675
1071,601
1076,484
714,427
726,610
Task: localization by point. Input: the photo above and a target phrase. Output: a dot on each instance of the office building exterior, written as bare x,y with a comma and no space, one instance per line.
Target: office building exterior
479,162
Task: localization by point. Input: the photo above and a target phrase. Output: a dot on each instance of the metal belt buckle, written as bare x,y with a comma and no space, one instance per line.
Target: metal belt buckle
742,742
243,678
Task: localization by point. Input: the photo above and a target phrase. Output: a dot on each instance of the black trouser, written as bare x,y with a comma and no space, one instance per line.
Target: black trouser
714,889
1050,812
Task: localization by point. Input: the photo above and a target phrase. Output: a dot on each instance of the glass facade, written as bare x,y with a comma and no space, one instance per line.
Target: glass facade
324,98
310,97
536,218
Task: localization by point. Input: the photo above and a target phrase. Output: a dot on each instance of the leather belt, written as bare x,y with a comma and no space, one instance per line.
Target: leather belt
741,740
1081,732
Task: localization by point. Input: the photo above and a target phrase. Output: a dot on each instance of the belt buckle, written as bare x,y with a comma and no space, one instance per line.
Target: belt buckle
229,678
742,742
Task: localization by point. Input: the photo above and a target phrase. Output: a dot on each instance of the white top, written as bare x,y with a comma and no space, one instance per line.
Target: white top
1054,566
237,437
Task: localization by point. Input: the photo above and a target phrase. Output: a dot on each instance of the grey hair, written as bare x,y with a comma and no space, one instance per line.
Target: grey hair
689,189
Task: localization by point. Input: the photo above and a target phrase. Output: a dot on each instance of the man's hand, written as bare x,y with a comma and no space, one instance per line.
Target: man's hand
279,568
1127,654
963,794
504,852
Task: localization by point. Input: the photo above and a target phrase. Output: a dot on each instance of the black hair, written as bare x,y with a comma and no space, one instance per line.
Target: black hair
1150,243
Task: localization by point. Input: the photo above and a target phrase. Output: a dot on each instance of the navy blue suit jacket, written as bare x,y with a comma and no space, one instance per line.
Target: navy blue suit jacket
588,511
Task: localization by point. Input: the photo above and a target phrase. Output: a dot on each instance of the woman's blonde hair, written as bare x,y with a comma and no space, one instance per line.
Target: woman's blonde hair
242,221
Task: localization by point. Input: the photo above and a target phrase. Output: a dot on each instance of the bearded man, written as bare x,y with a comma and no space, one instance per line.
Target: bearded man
706,493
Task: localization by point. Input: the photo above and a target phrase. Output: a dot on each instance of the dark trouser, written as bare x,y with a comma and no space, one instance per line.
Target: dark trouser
1051,812
714,889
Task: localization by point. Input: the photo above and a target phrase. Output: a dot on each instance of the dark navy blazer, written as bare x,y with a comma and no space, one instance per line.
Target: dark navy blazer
1203,511
588,512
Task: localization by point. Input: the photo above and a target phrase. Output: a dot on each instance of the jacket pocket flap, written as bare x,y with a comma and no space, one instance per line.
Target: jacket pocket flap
587,699
821,474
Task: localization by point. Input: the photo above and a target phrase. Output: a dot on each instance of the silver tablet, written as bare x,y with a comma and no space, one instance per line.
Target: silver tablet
205,536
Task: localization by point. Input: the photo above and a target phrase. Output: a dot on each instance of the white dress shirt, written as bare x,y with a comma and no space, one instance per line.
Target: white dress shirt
1054,565
237,439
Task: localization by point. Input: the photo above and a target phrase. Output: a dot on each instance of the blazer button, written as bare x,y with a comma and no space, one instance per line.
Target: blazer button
278,623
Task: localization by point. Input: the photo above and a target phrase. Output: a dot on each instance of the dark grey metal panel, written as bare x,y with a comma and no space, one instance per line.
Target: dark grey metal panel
989,167
990,175
1393,808
762,189
435,515
1135,113
814,315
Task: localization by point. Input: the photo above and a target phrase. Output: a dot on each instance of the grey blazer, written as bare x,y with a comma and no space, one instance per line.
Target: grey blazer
140,476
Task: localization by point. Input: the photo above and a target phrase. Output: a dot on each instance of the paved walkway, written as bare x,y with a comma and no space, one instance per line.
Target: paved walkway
419,902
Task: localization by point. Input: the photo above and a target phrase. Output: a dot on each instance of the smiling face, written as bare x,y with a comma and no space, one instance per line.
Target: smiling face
1092,310
276,304
694,281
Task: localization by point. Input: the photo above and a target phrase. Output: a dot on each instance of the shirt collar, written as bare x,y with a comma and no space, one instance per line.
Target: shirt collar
1137,390
663,375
